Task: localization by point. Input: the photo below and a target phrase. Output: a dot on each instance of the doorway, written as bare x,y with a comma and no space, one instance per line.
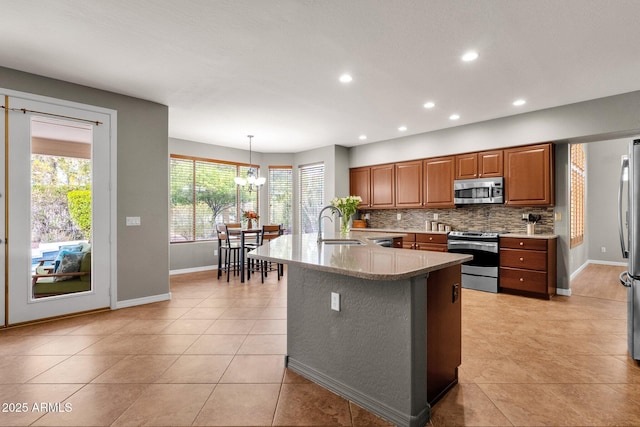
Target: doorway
60,209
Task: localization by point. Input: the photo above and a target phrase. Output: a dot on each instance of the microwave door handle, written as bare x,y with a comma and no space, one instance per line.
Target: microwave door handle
625,165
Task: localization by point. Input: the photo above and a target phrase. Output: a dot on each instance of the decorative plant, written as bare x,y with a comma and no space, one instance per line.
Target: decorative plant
250,215
348,206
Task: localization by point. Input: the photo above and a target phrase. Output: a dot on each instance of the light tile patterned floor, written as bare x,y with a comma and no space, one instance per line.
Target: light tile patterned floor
213,356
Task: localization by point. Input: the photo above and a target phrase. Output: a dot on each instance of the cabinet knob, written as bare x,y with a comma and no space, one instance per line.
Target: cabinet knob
521,259
521,243
522,279
430,238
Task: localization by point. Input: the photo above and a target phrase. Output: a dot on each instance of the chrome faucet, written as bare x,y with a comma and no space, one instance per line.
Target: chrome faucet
335,209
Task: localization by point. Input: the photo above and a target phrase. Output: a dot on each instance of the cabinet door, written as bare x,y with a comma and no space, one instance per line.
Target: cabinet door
529,175
467,166
490,163
360,185
409,184
382,186
438,182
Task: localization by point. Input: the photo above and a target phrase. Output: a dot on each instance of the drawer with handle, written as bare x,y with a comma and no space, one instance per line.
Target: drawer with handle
518,243
530,260
524,280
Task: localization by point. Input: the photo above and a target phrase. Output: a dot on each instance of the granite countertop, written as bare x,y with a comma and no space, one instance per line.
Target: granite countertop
366,261
408,230
530,236
516,235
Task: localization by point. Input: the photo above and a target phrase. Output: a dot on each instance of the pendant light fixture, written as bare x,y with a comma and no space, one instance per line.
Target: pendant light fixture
253,178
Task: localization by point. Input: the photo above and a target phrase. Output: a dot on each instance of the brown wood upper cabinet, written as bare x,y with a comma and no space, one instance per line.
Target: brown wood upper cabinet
383,186
360,185
528,175
438,175
479,165
409,184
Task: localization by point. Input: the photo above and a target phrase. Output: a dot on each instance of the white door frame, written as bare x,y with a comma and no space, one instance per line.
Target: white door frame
109,118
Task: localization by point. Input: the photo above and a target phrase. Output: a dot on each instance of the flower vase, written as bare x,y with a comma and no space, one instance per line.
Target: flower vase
345,224
249,223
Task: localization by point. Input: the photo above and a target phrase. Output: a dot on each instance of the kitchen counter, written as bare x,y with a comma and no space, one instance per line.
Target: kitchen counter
366,261
397,230
379,326
530,236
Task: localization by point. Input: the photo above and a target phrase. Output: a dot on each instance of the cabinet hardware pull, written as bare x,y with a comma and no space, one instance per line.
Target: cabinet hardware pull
521,279
521,259
521,243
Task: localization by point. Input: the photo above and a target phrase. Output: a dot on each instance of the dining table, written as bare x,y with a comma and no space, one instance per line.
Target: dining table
244,232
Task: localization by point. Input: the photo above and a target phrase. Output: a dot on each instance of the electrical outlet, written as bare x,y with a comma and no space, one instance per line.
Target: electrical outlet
133,221
558,216
603,249
436,216
335,301
525,216
398,216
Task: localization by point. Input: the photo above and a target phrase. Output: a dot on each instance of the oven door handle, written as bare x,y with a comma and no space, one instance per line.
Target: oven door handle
467,244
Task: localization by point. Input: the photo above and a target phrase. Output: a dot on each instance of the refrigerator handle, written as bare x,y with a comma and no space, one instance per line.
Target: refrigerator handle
624,279
625,165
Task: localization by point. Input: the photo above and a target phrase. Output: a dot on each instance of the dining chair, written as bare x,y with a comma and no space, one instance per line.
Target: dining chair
231,249
268,233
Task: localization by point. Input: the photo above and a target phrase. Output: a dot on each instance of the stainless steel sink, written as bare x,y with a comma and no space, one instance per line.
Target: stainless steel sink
342,242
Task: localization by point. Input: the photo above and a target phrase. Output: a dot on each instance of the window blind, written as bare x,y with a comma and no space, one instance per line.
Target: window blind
311,196
280,196
181,197
578,174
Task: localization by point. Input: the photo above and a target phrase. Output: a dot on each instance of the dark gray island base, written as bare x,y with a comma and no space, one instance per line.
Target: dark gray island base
395,345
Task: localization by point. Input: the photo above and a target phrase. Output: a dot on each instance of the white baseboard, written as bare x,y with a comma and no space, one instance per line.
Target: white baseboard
563,292
193,269
575,273
144,300
618,263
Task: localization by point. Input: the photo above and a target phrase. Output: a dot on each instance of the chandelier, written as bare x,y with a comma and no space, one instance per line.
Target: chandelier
253,179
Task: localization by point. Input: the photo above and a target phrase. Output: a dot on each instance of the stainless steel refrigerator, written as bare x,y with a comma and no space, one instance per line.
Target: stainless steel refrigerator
629,226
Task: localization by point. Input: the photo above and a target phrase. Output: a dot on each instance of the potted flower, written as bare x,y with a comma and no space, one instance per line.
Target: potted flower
348,206
250,216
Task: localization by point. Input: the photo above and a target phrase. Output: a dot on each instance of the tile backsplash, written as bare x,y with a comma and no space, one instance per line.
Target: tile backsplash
475,217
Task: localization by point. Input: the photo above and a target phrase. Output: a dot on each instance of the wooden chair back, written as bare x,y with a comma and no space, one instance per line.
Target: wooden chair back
270,232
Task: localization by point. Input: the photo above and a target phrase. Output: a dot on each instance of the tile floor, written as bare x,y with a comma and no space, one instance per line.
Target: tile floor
213,356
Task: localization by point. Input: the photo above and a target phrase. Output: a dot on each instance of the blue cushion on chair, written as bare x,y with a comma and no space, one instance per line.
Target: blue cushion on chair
61,254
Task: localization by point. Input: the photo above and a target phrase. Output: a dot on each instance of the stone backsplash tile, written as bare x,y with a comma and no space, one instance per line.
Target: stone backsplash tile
476,217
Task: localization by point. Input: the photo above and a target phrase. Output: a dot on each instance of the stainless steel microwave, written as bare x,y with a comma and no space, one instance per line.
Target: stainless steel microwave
478,191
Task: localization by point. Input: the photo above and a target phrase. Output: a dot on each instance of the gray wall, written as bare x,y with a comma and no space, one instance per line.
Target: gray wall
595,120
603,175
143,252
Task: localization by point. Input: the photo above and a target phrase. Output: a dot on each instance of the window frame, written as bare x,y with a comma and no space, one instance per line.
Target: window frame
302,197
288,228
240,170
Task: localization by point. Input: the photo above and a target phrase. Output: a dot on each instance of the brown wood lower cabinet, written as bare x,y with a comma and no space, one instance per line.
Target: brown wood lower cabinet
444,331
425,241
528,266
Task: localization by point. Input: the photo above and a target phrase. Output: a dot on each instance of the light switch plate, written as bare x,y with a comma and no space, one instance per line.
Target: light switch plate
335,301
399,216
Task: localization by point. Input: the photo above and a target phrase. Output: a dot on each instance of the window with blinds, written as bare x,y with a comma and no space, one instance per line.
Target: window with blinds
280,196
203,193
578,174
311,185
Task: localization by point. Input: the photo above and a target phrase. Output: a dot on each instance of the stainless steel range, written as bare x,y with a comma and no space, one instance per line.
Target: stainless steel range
481,273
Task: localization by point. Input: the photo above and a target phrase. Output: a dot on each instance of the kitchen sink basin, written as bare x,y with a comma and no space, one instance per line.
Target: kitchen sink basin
350,242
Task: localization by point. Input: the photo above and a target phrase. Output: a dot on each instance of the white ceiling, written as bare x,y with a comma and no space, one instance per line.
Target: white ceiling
228,68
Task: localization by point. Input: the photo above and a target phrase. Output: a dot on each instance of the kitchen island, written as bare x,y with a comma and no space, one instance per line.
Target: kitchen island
391,342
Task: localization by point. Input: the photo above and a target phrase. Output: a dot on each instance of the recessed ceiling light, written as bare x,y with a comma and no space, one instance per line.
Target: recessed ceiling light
470,56
346,78
429,104
454,117
402,128
362,137
519,102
